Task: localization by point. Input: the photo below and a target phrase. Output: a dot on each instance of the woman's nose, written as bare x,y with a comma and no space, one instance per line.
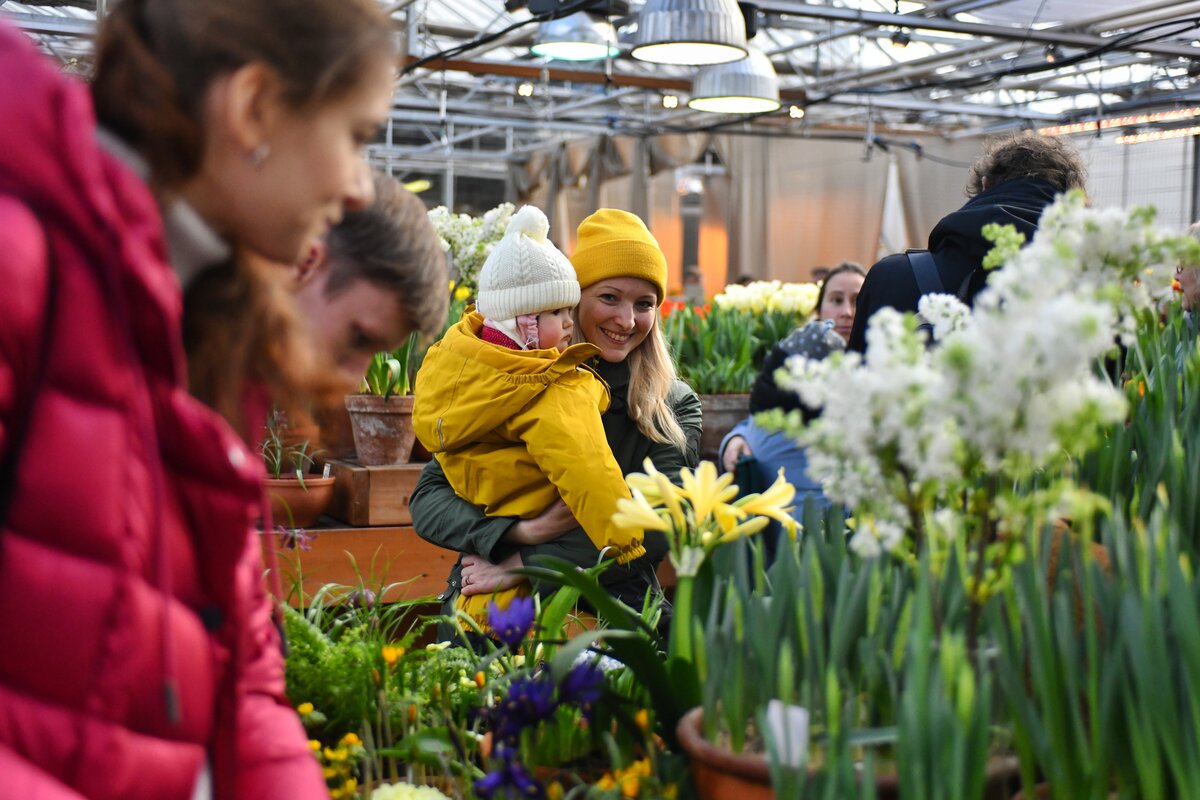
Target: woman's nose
361,192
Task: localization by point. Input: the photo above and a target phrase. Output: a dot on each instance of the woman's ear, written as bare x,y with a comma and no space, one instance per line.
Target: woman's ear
312,265
247,104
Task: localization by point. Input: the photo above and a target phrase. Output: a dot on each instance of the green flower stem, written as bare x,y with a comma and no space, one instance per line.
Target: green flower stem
681,644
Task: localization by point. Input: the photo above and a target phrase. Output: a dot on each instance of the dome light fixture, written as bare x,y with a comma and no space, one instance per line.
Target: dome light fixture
749,86
690,32
576,37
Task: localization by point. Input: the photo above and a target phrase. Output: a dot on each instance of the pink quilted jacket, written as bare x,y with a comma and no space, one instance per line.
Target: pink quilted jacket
135,637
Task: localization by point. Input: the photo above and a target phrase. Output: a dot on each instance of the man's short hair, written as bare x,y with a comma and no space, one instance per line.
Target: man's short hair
1028,155
392,244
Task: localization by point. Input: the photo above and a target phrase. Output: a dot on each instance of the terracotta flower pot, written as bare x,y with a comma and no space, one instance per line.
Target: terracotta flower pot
720,774
721,413
383,430
296,505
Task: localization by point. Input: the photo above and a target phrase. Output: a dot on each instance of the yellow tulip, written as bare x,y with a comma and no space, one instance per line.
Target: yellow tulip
637,514
705,489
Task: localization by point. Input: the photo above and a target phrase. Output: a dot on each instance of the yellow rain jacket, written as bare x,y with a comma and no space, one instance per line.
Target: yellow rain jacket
514,430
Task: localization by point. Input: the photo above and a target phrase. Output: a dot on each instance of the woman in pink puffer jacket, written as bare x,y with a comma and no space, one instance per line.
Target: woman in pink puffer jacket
137,653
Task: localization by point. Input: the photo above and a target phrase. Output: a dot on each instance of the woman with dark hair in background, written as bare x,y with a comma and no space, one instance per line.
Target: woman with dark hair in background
765,452
140,658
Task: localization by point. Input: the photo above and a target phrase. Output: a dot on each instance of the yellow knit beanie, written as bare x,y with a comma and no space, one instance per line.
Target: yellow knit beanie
617,244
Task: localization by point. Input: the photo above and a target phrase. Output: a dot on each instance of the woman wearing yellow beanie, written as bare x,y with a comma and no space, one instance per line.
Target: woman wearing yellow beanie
622,275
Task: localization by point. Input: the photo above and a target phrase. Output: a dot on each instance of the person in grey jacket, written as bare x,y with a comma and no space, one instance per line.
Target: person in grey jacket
653,414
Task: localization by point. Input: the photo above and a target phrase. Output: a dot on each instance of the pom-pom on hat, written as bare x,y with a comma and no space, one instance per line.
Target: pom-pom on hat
525,273
617,244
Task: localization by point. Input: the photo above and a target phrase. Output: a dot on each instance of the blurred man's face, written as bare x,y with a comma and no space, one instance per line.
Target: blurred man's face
1189,285
353,324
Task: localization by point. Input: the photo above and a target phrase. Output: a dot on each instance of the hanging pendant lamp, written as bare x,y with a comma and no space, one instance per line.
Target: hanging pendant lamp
576,37
690,32
749,86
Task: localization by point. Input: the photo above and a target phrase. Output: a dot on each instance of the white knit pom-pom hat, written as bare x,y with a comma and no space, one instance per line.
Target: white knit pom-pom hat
525,273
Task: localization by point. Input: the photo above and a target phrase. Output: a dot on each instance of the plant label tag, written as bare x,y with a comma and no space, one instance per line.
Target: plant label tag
325,472
788,726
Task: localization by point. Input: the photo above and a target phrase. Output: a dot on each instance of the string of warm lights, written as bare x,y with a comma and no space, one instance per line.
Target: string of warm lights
1121,122
1158,136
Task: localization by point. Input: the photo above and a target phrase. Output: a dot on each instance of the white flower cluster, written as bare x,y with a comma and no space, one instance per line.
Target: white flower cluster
469,240
1009,387
759,296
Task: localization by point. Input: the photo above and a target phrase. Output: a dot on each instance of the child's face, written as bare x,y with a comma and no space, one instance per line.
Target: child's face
554,329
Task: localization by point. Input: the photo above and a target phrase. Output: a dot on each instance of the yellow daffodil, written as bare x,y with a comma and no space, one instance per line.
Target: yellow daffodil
304,709
637,514
747,528
775,502
706,490
646,485
728,517
669,493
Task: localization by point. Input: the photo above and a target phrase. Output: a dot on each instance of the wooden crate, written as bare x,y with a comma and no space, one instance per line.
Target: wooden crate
381,556
372,495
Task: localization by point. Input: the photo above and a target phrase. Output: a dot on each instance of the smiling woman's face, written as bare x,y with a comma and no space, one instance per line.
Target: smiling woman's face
616,315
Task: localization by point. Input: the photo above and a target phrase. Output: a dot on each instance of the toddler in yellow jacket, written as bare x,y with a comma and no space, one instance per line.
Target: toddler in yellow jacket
509,407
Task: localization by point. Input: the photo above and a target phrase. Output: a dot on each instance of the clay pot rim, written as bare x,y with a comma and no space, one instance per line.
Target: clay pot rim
309,481
752,766
401,403
756,767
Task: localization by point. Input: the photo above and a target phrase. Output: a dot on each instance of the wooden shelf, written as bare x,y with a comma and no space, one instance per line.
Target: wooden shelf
380,555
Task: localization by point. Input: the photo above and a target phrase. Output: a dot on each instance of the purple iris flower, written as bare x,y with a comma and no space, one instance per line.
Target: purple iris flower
510,625
583,685
295,538
529,701
509,775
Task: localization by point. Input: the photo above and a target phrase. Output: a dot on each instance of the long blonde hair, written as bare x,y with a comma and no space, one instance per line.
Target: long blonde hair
651,375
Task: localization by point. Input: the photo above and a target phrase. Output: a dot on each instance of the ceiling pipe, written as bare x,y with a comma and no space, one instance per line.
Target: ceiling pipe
533,72
1046,36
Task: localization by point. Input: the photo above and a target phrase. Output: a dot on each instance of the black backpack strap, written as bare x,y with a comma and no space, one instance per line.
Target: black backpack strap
24,408
925,271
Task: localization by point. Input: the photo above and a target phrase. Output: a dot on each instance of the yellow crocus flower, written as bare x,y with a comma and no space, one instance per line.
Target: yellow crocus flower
637,514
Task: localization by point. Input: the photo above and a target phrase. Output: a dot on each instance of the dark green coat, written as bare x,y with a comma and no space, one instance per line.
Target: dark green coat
440,516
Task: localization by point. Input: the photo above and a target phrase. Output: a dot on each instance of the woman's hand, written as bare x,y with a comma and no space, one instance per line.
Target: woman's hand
735,449
480,576
547,526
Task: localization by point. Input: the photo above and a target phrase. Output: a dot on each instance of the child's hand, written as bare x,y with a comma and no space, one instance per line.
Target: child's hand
480,576
545,527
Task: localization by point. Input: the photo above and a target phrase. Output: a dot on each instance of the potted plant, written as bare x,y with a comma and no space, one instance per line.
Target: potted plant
381,413
297,498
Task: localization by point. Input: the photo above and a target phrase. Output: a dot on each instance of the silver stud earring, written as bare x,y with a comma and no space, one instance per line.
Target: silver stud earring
259,154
